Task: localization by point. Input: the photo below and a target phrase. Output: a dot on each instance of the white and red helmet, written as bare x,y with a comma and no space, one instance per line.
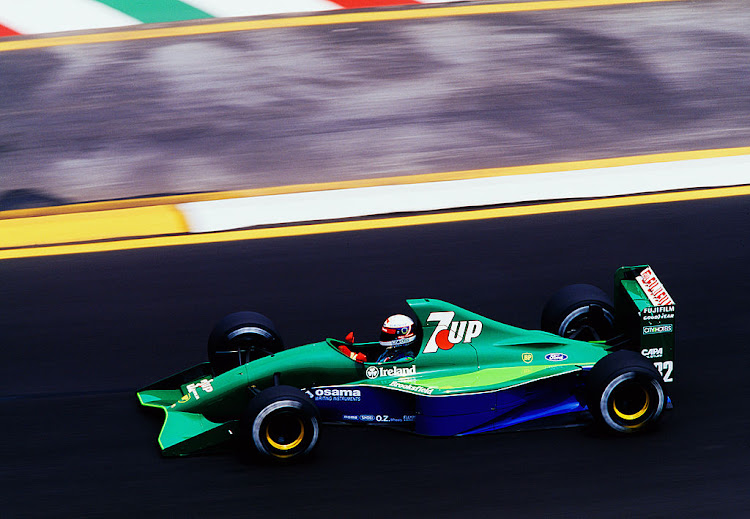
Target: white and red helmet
397,331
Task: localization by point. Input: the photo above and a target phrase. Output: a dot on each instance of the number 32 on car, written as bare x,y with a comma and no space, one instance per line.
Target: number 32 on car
665,368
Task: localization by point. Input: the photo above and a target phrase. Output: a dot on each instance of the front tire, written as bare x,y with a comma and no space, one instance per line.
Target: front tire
240,338
281,423
625,393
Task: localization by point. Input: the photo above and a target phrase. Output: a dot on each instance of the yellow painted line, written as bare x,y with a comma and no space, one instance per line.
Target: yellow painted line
383,223
559,167
82,227
313,20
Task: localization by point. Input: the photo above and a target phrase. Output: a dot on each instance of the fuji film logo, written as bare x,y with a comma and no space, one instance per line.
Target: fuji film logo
448,332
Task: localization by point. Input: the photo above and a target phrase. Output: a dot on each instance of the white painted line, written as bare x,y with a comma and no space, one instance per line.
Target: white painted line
40,16
232,8
237,213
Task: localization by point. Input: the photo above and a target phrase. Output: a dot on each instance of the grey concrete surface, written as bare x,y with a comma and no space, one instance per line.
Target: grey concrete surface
276,107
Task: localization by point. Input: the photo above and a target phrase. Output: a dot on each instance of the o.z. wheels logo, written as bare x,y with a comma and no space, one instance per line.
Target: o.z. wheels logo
448,332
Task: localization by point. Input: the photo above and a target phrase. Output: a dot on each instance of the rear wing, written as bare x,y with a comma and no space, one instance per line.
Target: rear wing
645,312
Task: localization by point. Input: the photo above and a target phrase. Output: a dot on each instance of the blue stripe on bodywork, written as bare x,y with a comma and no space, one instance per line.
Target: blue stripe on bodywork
451,415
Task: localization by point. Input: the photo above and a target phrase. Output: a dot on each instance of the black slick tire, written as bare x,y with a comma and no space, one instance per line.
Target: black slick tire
625,393
582,312
281,424
240,338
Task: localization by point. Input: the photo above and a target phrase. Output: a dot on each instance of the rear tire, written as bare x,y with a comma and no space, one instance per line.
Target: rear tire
581,312
281,424
240,338
625,393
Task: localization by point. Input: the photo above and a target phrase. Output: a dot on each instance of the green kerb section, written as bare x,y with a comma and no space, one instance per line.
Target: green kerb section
156,11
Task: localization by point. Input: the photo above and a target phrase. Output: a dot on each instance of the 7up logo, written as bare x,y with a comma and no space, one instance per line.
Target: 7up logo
448,332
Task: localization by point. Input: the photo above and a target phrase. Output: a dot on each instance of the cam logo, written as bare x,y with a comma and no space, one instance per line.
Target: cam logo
527,357
448,332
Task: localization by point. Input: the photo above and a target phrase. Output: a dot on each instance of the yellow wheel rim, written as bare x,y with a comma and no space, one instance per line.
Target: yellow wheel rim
637,414
286,446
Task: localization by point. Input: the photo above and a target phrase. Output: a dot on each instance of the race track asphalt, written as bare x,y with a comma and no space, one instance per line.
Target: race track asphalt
82,332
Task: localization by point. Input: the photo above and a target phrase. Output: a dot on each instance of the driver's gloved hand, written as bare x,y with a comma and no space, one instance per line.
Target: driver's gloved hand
355,356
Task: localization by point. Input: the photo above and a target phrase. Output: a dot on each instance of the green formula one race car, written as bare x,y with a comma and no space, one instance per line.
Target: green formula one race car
467,374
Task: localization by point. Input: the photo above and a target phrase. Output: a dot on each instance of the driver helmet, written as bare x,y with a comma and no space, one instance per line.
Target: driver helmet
397,332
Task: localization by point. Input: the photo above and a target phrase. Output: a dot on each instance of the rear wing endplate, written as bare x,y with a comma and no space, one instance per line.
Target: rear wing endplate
645,312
